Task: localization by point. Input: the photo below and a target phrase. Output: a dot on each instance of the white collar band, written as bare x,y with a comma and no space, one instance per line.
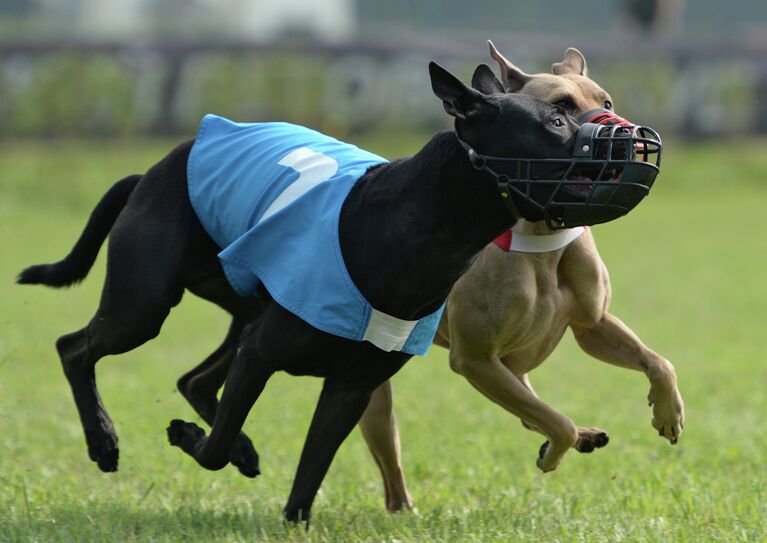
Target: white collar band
531,243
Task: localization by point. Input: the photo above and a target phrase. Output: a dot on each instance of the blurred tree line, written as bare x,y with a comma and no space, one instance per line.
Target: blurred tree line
133,91
97,68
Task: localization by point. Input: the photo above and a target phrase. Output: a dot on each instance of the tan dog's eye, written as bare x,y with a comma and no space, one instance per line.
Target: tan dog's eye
566,103
608,104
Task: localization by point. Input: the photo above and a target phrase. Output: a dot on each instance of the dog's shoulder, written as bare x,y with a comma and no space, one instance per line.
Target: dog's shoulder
584,276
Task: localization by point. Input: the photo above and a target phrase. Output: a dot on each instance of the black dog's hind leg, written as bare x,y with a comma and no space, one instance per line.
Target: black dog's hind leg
244,383
139,291
200,386
338,410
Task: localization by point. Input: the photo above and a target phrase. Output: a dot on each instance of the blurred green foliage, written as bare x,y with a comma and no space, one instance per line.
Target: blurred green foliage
66,94
131,93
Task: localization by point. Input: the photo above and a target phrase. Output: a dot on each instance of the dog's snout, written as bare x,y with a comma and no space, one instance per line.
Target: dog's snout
605,117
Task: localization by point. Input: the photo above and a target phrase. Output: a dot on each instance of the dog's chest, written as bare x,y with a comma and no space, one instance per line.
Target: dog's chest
544,293
536,300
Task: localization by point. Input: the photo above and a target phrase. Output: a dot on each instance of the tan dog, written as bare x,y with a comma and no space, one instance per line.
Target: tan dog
498,335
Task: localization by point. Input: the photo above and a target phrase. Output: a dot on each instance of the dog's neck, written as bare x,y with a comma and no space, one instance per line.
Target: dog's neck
409,229
536,237
531,228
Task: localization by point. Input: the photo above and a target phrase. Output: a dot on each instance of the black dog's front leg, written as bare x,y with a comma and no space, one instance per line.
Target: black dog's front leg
338,410
245,382
200,388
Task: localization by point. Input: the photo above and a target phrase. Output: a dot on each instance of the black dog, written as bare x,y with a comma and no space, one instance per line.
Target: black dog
425,217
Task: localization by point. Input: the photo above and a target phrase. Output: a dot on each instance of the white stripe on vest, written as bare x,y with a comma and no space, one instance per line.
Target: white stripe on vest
386,332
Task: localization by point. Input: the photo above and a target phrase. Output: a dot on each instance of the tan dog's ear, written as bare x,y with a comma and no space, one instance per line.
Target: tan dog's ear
513,78
573,63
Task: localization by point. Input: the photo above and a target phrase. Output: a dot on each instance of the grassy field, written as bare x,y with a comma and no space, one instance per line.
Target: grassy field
688,275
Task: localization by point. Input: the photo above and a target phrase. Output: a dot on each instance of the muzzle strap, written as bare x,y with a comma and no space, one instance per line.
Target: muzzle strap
480,164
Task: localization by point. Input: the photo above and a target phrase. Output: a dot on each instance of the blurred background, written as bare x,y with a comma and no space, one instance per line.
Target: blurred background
93,90
96,68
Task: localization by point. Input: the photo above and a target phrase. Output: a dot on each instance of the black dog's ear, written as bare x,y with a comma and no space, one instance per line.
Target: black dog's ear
484,80
513,78
459,100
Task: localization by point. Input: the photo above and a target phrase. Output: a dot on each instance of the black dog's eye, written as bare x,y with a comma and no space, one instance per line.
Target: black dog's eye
608,104
557,121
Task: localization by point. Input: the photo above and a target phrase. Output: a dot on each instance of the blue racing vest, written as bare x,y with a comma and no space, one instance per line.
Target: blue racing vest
270,195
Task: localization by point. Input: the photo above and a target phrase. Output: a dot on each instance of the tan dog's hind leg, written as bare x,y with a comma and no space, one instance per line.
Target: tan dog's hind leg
379,428
588,438
488,375
613,342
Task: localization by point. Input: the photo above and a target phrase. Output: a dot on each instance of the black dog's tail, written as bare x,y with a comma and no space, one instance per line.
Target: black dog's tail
80,259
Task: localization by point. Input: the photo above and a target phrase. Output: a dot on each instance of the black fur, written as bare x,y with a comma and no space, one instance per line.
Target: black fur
76,265
408,230
484,80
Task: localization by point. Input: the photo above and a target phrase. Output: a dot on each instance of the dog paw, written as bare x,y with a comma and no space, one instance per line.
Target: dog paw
544,462
590,439
245,457
668,413
295,515
187,436
547,461
552,452
105,453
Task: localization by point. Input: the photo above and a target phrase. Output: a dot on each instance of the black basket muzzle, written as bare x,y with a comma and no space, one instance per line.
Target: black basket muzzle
612,167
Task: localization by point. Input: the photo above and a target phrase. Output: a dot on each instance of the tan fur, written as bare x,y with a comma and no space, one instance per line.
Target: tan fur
510,310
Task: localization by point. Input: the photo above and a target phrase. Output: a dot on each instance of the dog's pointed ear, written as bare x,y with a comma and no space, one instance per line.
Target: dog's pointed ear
573,63
513,78
484,80
459,100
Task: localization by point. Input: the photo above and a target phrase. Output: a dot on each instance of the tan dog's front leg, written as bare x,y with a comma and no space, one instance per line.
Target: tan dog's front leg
379,428
588,438
488,375
613,342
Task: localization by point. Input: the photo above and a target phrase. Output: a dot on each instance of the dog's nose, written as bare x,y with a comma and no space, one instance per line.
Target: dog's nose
605,117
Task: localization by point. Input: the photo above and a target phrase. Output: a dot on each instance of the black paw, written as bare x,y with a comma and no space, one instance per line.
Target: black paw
105,454
185,435
587,443
297,515
245,457
543,449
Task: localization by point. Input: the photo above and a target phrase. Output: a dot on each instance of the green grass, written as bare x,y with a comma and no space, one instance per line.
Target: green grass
687,271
